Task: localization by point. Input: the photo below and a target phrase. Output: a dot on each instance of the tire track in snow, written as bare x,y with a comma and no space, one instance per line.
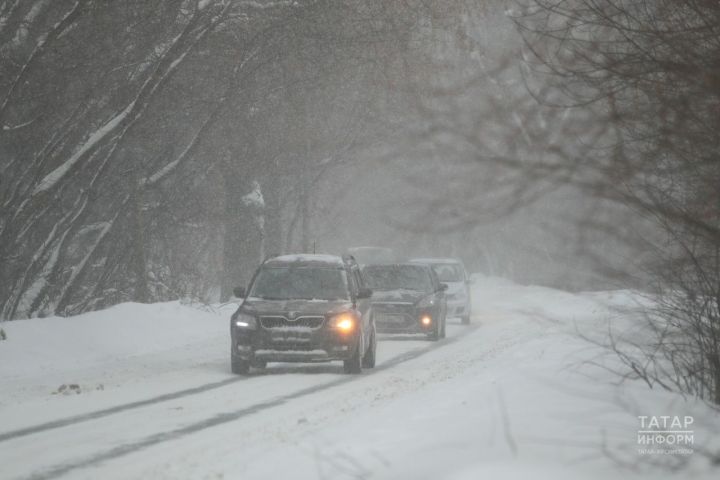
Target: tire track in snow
84,417
219,419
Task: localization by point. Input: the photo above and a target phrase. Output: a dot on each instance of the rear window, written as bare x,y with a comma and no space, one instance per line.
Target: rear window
449,272
396,277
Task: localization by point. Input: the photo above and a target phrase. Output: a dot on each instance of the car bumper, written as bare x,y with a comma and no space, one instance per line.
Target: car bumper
321,345
407,329
405,322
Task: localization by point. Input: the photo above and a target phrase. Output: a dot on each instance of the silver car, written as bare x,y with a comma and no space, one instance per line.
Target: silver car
451,271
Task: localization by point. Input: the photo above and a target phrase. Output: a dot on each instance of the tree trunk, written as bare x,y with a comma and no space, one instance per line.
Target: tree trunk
137,240
305,239
242,239
273,231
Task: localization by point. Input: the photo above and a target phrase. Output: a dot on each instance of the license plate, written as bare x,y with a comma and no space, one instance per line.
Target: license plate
389,318
289,338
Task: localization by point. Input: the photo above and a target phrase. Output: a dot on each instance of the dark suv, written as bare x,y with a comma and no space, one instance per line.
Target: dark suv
304,308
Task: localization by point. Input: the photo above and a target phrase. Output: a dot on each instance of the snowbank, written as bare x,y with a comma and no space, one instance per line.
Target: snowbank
40,346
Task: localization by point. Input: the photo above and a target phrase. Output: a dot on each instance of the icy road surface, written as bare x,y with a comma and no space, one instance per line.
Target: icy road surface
511,396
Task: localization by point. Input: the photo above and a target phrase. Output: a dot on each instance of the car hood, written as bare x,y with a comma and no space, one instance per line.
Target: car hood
297,307
400,295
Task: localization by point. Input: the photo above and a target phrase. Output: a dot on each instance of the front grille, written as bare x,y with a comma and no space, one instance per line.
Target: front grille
394,315
394,308
282,322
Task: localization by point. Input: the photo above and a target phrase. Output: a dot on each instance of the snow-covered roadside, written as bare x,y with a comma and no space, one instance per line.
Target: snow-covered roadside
40,346
513,398
125,353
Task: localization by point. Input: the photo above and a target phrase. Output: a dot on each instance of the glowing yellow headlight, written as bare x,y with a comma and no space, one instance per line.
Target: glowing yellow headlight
344,322
426,320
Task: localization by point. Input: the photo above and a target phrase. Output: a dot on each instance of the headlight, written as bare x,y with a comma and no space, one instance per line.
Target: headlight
244,320
426,302
344,322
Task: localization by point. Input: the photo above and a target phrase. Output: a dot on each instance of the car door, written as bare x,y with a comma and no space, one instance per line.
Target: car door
361,304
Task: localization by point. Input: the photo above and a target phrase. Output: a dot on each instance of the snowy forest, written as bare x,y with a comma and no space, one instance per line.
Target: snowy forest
156,150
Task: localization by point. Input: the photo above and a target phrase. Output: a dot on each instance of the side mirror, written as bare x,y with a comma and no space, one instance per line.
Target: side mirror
364,292
443,287
239,292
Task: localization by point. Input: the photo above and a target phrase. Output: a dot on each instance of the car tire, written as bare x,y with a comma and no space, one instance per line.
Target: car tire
259,364
354,364
442,331
239,366
368,360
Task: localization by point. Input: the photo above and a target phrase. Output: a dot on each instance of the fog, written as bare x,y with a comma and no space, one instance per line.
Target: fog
164,162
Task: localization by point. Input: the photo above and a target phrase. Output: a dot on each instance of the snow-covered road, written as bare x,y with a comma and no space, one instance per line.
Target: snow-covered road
509,396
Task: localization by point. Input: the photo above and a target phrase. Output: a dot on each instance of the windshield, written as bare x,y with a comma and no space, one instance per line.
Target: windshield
285,283
448,272
395,277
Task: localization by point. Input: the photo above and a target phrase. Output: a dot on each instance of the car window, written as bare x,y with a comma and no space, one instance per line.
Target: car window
285,283
449,272
394,277
434,279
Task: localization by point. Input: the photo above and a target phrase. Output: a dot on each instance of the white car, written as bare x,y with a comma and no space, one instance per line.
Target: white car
452,272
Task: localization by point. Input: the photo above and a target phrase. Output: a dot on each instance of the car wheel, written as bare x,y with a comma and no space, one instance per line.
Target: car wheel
368,360
354,363
259,363
239,366
465,319
442,332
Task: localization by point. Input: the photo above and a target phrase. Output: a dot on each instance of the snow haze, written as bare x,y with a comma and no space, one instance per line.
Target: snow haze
195,195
